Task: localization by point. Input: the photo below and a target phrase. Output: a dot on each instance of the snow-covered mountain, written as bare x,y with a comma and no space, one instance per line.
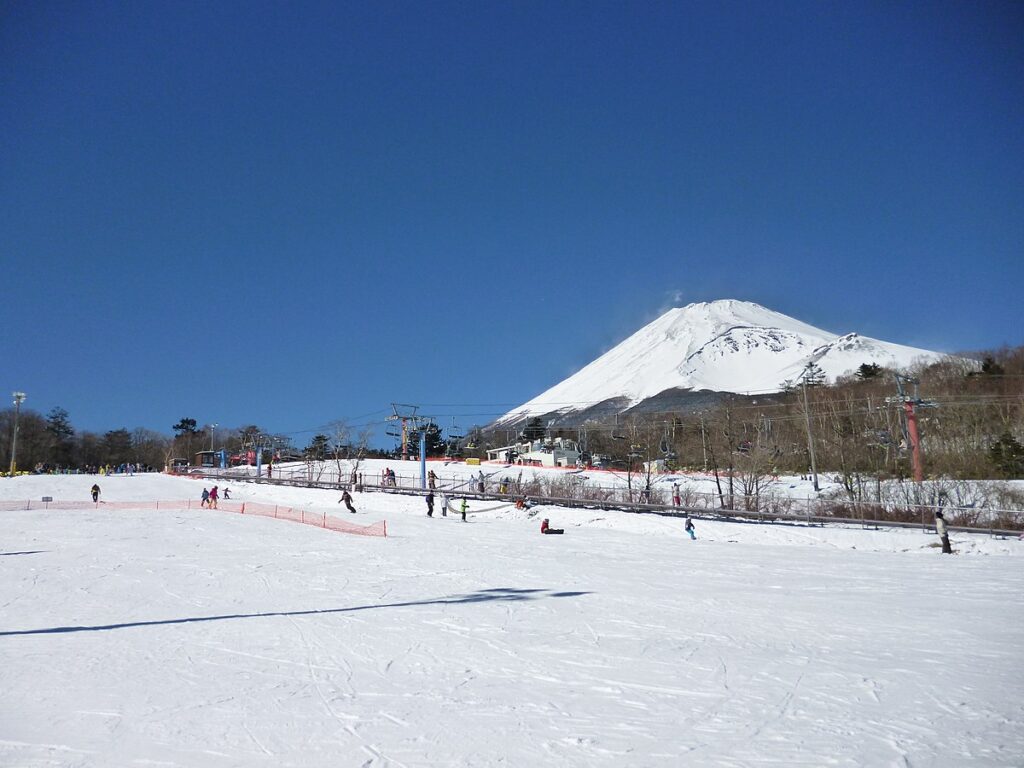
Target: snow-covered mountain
719,346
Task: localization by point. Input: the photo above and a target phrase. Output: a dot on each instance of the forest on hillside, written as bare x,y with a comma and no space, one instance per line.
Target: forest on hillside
970,421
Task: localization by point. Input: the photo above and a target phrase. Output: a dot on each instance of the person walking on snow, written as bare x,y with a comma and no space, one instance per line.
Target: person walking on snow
464,506
431,480
444,505
480,482
689,528
940,528
95,493
213,497
206,498
347,498
430,504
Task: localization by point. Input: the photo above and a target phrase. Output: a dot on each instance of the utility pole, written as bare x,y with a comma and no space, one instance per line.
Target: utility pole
19,398
807,419
213,431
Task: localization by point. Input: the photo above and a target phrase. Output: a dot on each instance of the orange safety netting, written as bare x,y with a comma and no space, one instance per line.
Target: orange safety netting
304,516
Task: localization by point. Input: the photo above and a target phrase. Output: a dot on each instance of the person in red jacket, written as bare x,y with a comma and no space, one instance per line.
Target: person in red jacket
545,528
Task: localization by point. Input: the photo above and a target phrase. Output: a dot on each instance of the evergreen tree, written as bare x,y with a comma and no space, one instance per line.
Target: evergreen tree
989,367
1007,454
869,371
117,447
319,448
185,430
435,443
813,375
58,426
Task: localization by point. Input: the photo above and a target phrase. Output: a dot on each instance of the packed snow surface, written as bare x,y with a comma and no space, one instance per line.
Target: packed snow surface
724,346
193,637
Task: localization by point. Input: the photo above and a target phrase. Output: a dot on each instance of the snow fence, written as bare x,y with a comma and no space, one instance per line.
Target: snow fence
304,516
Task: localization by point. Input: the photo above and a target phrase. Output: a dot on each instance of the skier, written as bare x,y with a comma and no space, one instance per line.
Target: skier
545,528
464,506
347,498
444,505
689,528
213,497
206,498
940,528
430,504
676,498
227,492
95,493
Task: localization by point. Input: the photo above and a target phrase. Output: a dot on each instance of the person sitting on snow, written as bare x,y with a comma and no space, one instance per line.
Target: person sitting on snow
545,528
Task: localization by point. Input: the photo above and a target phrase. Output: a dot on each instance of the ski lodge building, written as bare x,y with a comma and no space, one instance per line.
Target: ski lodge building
558,452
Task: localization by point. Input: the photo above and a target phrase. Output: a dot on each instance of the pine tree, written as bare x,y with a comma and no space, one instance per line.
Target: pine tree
1007,454
319,448
869,371
435,443
813,375
58,425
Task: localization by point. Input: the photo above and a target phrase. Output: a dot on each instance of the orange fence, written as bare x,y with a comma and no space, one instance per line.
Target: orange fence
304,516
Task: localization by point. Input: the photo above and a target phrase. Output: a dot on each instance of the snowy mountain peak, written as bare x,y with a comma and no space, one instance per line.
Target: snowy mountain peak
723,346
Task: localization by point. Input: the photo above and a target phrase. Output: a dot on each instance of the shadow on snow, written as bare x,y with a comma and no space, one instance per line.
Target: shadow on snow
505,594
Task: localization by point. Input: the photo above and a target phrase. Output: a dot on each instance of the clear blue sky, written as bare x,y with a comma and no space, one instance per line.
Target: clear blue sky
287,213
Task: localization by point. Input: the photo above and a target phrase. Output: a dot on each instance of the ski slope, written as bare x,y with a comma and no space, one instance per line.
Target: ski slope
188,637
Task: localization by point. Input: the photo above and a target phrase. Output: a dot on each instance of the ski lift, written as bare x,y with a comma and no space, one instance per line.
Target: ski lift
615,430
454,433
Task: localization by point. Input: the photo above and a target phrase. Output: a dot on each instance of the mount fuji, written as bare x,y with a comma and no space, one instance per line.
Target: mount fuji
696,352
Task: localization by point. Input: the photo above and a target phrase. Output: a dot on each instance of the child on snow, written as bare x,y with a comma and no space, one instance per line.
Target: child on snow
545,528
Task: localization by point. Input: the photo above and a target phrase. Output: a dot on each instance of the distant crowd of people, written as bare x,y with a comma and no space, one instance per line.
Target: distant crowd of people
45,468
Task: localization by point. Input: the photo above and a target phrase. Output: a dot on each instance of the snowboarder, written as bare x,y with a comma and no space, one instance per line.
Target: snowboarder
430,504
431,480
545,528
689,528
347,498
213,497
464,506
940,528
676,498
206,498
95,493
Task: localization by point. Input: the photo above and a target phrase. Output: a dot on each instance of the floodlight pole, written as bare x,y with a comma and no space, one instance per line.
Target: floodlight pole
19,398
213,431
